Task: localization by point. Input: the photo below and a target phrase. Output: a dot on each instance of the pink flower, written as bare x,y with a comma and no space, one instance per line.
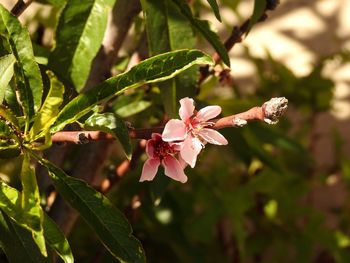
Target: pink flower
161,152
193,130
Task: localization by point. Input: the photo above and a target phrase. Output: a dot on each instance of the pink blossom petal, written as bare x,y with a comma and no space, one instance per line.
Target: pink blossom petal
190,149
174,130
212,136
149,169
150,148
173,169
208,113
187,108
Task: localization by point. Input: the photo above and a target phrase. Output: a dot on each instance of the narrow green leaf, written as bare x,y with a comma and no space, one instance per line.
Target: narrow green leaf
9,143
258,11
6,73
30,200
29,80
155,69
132,108
75,49
18,243
202,26
168,29
9,116
107,221
50,108
215,7
111,123
56,240
10,203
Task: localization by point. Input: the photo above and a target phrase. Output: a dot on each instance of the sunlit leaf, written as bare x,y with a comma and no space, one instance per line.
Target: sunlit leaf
18,243
79,35
28,76
155,69
6,73
50,108
111,123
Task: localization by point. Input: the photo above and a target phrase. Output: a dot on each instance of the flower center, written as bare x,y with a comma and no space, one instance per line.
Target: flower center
163,149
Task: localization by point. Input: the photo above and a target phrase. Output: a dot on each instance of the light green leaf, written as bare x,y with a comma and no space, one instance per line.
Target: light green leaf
111,123
56,240
6,73
258,11
29,82
10,203
155,69
30,200
9,116
79,35
18,243
215,7
202,26
132,108
49,110
108,222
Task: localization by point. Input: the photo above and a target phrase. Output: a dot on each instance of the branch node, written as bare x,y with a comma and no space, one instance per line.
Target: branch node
274,109
239,122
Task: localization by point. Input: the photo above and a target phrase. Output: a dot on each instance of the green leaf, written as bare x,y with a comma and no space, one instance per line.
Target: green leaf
155,69
56,240
258,11
30,200
215,7
111,123
202,26
9,143
79,35
168,29
18,243
9,116
49,110
10,203
132,108
6,73
108,222
29,82
57,3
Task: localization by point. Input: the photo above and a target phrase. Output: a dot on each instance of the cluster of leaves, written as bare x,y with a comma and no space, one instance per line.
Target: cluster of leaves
235,198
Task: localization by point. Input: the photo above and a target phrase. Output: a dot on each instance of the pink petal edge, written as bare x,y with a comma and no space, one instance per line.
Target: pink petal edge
212,136
174,130
149,169
208,113
191,147
173,169
187,108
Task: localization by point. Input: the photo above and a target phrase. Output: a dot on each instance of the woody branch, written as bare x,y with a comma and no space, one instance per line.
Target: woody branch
269,112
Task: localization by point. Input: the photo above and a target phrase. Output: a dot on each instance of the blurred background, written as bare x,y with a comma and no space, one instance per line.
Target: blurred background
275,193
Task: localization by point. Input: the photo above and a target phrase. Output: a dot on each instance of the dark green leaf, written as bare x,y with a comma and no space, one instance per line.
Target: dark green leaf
18,243
9,116
6,73
107,221
111,123
168,29
214,6
155,69
79,36
202,26
56,240
28,75
259,8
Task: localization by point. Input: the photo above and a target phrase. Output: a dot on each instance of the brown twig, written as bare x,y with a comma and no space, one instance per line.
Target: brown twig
20,6
235,37
269,112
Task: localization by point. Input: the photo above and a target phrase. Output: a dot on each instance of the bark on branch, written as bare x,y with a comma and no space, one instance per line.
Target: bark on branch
269,112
